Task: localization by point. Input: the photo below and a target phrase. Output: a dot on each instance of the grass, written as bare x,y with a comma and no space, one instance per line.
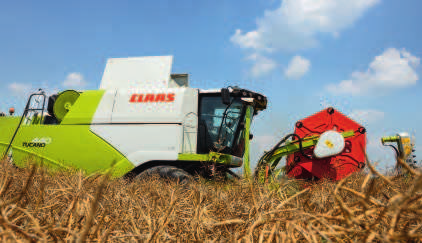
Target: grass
37,206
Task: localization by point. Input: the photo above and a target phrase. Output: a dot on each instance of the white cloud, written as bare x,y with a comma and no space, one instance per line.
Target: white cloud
19,89
74,80
261,143
262,65
381,156
264,141
392,69
366,117
248,40
296,24
297,67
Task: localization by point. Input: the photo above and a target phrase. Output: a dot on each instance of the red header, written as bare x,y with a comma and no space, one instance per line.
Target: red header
143,98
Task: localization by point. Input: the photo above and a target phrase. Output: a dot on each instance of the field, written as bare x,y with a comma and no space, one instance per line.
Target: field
366,207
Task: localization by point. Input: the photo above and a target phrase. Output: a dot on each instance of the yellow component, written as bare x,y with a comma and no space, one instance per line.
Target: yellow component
329,144
407,146
404,144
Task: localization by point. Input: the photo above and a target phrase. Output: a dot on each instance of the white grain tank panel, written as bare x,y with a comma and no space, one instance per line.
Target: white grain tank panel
190,120
190,133
105,107
154,106
137,72
143,143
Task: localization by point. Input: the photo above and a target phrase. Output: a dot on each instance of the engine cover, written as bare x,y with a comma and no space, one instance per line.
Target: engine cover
336,167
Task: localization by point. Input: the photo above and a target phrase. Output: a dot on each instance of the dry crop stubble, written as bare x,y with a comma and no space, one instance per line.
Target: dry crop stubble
36,205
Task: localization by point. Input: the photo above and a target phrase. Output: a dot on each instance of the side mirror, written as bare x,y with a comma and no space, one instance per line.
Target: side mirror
250,137
225,96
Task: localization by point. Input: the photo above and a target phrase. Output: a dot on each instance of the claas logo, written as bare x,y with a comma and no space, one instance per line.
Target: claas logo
144,98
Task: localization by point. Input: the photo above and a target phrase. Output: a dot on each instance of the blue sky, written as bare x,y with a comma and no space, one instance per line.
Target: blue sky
362,56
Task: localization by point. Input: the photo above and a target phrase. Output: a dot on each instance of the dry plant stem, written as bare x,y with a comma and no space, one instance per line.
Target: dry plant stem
375,172
6,224
163,221
358,194
23,191
101,221
104,237
42,188
6,184
94,205
273,233
361,208
408,168
229,222
346,211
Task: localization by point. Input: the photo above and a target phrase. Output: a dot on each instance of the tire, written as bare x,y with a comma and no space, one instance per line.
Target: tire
165,172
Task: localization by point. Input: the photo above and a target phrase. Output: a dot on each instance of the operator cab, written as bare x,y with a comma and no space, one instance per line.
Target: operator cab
222,116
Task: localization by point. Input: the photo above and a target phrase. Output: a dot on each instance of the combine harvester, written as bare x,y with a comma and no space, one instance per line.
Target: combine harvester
144,120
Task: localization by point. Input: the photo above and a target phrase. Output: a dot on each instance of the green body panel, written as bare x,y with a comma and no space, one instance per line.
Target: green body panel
213,157
246,156
7,128
65,146
84,108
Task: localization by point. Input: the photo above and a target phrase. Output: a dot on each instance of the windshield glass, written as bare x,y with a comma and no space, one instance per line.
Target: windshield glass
216,133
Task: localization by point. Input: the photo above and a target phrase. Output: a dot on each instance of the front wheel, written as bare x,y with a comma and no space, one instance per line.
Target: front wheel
166,172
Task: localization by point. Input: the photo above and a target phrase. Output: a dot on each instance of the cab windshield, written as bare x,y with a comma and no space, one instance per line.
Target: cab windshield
219,125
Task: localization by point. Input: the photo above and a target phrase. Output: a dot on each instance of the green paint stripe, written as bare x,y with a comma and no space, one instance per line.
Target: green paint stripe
212,157
193,157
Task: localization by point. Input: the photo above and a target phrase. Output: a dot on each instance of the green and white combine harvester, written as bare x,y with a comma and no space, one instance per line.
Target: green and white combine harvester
144,120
